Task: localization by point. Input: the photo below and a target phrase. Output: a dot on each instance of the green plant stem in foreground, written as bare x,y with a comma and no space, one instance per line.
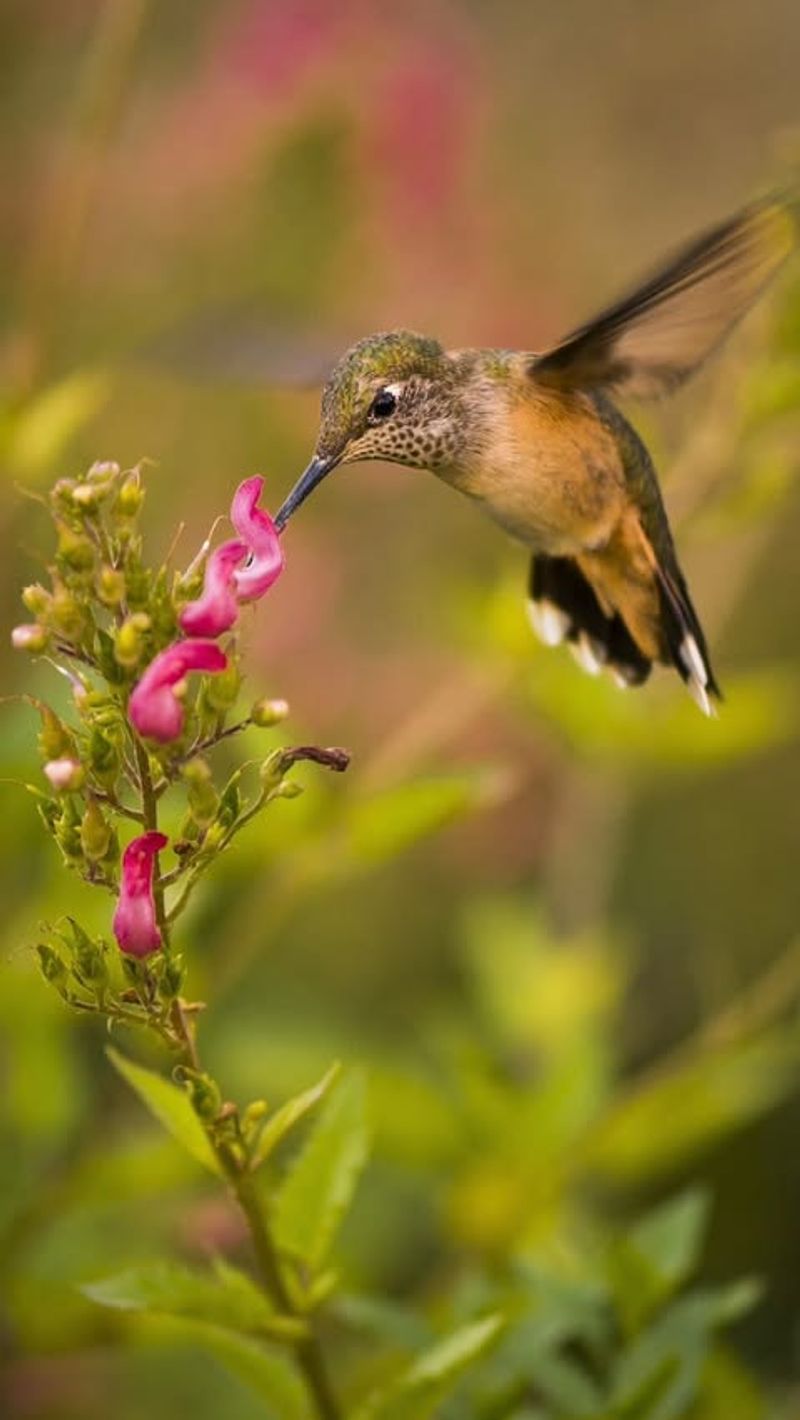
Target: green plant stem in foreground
308,1351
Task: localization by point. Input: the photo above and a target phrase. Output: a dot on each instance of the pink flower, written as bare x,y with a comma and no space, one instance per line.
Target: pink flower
216,609
28,638
64,774
134,923
154,708
257,530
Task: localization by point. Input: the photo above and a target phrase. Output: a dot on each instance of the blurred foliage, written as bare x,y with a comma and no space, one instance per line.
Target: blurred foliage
553,926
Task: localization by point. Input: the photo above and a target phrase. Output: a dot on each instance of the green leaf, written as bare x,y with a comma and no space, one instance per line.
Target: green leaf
284,1119
266,1372
653,1260
679,1112
44,427
317,1191
171,1107
419,1389
226,1297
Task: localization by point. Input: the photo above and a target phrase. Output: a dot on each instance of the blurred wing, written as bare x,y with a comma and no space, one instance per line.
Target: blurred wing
243,348
655,338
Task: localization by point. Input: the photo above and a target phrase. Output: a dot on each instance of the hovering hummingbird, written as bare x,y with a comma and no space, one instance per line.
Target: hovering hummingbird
537,442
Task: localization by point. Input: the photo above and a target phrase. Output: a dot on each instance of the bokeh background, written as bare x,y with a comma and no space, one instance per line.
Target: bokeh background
200,205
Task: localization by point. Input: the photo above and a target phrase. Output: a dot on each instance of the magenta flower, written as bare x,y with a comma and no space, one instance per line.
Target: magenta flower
216,609
257,530
154,708
134,923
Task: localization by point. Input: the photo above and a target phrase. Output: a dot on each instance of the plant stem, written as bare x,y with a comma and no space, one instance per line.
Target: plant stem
308,1351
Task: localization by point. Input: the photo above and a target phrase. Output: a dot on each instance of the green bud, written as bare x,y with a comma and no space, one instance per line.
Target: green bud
137,585
37,599
95,832
110,586
129,639
204,1094
65,614
68,833
266,713
230,804
272,770
75,553
213,837
130,496
173,973
288,790
103,757
221,690
54,740
253,1116
202,795
90,964
51,964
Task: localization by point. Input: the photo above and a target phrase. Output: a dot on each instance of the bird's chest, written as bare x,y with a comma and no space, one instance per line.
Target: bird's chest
549,473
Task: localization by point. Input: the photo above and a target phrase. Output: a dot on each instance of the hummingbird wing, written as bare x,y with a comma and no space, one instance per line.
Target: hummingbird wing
652,340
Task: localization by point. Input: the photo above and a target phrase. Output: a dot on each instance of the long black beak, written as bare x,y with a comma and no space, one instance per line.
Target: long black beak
306,483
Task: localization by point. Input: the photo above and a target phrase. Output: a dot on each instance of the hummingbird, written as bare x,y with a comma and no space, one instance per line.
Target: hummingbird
539,444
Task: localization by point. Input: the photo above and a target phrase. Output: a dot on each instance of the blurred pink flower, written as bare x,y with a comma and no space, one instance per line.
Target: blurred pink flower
216,609
28,638
257,530
275,45
134,922
154,708
63,774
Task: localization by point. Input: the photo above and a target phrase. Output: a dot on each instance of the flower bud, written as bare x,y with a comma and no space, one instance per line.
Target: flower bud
202,795
229,805
103,757
51,964
204,1094
89,962
288,790
89,496
103,471
137,586
130,496
37,599
29,637
272,770
172,978
65,614
65,774
110,586
54,740
75,552
266,713
95,832
221,692
129,639
135,921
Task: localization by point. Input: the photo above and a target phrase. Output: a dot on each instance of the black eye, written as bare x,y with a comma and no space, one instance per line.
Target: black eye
384,404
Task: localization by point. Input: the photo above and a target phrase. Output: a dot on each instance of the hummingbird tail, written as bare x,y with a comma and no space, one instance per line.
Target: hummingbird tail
563,606
684,638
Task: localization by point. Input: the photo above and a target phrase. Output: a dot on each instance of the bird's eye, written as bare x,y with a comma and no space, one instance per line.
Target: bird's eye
384,404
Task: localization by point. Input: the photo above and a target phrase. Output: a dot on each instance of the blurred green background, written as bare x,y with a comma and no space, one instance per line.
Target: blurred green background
528,879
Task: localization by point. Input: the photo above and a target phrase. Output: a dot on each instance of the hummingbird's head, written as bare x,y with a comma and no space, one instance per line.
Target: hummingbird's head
392,396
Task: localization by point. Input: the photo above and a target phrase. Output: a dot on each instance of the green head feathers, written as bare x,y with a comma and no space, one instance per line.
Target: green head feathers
397,396
388,397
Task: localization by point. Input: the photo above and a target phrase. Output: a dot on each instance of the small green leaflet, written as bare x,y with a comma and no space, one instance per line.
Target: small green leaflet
318,1188
284,1119
171,1107
420,1388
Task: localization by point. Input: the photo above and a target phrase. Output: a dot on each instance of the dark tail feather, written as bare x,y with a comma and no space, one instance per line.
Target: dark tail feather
685,640
563,607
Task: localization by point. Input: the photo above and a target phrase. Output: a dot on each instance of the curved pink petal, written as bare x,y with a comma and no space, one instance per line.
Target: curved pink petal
257,530
134,922
153,709
216,609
